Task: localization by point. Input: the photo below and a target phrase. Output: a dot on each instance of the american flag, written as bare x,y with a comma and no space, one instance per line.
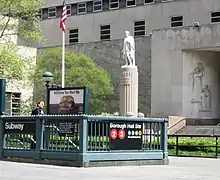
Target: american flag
63,17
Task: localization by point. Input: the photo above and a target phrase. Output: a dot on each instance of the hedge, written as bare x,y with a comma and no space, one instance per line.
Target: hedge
203,145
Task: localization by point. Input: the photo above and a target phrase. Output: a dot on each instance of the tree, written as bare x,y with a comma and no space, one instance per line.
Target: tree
80,70
12,65
18,20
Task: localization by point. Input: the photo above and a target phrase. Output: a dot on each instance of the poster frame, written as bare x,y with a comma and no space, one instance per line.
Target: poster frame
85,97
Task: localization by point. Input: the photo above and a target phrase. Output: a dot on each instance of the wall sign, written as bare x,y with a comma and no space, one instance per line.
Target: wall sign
68,128
125,135
20,127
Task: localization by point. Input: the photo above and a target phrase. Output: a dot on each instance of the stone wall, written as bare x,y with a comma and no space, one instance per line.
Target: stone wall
107,55
201,98
178,53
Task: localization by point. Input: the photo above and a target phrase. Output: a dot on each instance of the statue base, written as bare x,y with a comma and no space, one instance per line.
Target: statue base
129,90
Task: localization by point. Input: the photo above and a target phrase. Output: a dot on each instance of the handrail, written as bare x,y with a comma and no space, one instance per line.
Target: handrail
88,117
77,147
177,123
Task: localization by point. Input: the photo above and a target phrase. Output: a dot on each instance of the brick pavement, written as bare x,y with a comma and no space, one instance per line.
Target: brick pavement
179,169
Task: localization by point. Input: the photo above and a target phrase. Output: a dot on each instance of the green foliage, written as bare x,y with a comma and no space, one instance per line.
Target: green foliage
204,145
27,106
20,18
13,25
13,66
80,70
191,153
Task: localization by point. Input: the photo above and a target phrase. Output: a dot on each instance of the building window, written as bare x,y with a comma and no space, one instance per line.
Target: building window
39,14
176,21
52,12
97,5
166,0
113,4
68,10
73,36
149,1
13,103
130,3
215,17
105,32
139,28
81,8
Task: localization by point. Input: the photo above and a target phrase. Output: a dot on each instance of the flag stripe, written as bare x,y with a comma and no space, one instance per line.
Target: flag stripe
63,17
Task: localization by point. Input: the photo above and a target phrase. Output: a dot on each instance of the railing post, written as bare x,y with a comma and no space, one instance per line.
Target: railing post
39,136
164,139
46,137
177,145
83,140
1,136
216,146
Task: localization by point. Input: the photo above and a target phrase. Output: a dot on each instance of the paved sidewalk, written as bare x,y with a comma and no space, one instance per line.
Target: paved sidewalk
179,169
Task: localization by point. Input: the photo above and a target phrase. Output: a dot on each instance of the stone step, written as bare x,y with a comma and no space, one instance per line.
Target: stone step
199,130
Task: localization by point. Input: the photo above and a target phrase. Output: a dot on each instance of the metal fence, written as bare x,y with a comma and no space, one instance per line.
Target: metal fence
83,138
194,145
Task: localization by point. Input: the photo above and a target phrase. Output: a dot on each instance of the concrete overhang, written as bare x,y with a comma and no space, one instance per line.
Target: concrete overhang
209,49
205,37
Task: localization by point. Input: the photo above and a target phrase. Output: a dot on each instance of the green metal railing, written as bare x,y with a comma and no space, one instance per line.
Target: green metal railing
79,138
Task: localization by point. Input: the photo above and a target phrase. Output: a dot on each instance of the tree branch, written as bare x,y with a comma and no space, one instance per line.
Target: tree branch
8,20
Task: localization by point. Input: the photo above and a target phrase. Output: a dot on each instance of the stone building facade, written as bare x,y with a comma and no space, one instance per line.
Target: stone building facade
177,47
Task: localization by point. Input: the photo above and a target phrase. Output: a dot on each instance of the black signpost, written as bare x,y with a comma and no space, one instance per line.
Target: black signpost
125,135
20,127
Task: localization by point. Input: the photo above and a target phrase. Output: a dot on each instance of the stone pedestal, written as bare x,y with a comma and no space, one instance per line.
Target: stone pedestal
129,90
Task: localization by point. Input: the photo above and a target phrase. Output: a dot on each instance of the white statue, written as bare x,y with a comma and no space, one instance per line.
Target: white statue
129,49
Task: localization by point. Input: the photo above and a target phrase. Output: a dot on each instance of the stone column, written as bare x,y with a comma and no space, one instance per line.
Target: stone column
129,90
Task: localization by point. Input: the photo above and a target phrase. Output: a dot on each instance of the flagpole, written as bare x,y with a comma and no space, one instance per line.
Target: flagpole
63,60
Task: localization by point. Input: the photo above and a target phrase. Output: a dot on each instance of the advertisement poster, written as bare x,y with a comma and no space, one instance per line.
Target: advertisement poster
125,135
66,101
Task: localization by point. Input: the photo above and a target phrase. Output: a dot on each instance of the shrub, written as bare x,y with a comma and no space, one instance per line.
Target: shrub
193,144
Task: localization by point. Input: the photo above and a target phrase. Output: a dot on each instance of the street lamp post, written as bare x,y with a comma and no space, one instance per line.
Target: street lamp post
47,78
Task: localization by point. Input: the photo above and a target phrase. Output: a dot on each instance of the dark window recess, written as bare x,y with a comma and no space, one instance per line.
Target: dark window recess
114,4
97,5
105,32
215,17
74,36
52,12
139,28
148,1
16,103
39,14
81,8
131,3
177,18
68,10
177,21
